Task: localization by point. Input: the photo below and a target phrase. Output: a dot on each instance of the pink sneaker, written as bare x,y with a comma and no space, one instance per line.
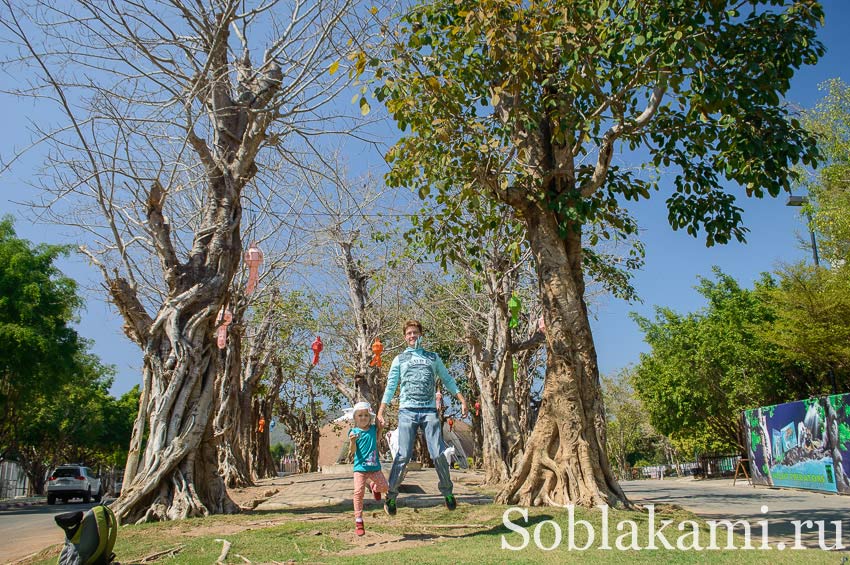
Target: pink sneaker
358,527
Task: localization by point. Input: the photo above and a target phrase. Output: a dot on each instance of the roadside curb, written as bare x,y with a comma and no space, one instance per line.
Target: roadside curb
7,504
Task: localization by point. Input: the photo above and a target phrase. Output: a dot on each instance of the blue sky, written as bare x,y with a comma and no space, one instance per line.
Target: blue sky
674,260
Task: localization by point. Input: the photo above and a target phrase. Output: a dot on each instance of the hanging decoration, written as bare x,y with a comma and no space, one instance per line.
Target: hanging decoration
253,258
541,325
262,425
225,316
272,424
439,401
451,422
477,408
377,349
317,347
514,305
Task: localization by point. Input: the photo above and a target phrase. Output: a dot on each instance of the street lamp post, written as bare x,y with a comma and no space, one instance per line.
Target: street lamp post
799,201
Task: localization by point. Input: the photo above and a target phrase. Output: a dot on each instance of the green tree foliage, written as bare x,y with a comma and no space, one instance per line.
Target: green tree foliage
78,421
811,305
829,189
706,367
631,438
696,83
812,321
54,394
39,349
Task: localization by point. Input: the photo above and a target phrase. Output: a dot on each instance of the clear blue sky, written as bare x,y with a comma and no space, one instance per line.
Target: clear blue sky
673,259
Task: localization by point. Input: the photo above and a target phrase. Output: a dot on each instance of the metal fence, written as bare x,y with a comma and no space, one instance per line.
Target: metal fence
708,466
13,480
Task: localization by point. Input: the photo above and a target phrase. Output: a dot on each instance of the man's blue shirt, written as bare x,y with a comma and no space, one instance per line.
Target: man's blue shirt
416,371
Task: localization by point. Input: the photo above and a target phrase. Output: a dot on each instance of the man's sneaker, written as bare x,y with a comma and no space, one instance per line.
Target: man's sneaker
376,494
390,507
358,527
451,503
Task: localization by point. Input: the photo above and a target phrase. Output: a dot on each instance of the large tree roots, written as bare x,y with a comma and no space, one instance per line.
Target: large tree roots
559,468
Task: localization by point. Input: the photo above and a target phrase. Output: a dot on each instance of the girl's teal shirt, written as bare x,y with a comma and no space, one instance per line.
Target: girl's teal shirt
366,449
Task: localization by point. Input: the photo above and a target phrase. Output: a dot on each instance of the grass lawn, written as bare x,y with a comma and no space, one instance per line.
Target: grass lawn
471,534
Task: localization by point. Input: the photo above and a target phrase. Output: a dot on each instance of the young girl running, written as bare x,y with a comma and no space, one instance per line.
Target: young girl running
363,443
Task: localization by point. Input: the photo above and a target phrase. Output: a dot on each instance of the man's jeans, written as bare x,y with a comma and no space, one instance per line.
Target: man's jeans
409,421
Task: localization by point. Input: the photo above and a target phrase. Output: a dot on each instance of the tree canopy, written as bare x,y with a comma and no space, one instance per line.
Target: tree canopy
705,367
478,84
39,347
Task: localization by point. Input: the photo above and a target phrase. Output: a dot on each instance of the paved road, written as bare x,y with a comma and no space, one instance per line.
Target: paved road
718,499
28,530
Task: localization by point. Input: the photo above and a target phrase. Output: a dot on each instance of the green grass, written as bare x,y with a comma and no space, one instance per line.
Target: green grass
319,535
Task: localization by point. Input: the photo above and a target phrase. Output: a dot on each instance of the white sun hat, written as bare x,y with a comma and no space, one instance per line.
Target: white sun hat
348,413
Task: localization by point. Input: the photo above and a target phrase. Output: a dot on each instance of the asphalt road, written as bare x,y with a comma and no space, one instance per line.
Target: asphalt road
28,530
719,500
24,531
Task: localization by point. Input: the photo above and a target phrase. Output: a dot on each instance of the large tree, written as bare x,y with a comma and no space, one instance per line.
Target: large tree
39,348
77,420
172,123
706,367
528,102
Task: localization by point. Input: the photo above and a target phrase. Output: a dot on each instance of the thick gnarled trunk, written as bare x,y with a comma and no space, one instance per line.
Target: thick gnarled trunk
306,440
565,460
177,476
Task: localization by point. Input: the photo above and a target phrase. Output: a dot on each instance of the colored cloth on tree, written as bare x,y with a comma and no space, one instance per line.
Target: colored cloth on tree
366,449
417,370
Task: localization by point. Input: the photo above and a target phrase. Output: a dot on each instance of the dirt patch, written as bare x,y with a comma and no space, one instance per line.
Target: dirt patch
377,542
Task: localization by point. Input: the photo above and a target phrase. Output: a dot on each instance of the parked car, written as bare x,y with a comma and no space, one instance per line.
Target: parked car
73,481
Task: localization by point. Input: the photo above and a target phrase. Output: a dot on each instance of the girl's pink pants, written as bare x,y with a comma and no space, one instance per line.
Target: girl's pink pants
377,483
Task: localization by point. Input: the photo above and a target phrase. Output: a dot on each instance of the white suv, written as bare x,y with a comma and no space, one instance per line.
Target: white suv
73,481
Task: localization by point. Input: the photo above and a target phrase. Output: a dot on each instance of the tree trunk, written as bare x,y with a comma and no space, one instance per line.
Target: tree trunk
302,423
502,444
565,460
477,425
244,452
229,421
263,464
369,381
32,462
522,392
178,476
496,470
307,447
